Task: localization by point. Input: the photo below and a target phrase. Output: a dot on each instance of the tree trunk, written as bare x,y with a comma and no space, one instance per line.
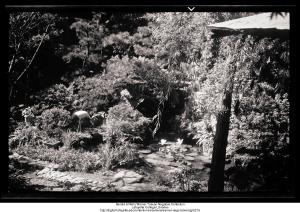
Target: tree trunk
216,178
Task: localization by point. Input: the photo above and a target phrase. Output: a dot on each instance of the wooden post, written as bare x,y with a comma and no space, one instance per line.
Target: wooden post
216,178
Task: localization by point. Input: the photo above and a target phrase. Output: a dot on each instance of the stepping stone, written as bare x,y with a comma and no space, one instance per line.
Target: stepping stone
96,189
63,179
175,164
204,159
154,156
145,151
130,174
189,158
158,161
173,170
118,183
193,154
119,175
169,157
135,187
133,180
77,188
55,174
95,183
57,189
183,149
188,163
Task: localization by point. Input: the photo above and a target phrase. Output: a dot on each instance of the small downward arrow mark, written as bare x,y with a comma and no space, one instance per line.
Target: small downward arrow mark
191,8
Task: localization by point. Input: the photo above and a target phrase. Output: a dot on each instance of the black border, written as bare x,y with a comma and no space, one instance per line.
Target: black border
262,6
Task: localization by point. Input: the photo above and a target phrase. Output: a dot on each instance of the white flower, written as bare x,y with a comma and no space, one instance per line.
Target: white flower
163,141
179,141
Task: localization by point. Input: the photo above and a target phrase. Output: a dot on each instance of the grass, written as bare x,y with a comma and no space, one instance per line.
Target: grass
105,157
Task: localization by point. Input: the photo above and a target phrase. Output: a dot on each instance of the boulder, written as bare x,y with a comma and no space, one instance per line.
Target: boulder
99,118
54,145
127,177
80,140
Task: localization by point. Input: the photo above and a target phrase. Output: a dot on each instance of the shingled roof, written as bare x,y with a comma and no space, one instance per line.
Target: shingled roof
256,23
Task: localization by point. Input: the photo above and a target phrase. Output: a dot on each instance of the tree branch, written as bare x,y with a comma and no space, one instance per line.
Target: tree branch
34,55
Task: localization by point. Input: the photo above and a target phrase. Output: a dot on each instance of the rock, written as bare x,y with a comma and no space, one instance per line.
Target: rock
77,188
192,154
96,188
189,158
130,174
173,170
118,176
188,163
155,156
54,145
158,161
64,179
118,184
135,187
127,177
169,157
144,151
45,170
57,189
133,180
174,164
53,167
97,138
87,140
99,118
204,159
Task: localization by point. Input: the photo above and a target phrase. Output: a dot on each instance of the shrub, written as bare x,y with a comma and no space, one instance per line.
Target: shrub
94,94
186,180
118,155
57,95
53,121
68,159
126,124
107,156
78,139
26,135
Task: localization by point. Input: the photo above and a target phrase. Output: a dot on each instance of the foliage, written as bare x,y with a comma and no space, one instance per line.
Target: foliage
53,121
57,95
93,94
28,31
118,155
260,107
88,51
126,124
69,138
68,159
186,180
151,55
26,135
107,156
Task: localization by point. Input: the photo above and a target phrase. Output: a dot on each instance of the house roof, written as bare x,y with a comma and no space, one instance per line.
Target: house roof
259,22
